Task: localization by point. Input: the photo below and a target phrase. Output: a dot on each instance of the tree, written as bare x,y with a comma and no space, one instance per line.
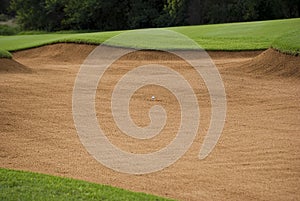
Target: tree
53,15
145,14
81,14
30,13
220,11
4,4
177,11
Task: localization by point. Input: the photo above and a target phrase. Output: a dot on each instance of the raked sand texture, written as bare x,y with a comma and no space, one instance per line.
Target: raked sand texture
256,158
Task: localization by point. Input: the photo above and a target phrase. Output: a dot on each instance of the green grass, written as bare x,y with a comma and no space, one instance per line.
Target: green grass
159,39
241,36
19,42
280,34
5,54
19,185
288,43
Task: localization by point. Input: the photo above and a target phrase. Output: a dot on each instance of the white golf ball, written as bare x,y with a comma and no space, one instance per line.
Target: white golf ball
153,97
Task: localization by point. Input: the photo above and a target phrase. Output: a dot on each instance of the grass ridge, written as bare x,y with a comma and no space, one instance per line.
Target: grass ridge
5,54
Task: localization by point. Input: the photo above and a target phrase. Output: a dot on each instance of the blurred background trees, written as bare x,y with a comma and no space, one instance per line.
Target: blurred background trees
222,11
54,15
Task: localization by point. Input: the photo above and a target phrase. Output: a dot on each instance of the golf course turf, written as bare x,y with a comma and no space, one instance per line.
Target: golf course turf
256,158
280,34
5,54
21,185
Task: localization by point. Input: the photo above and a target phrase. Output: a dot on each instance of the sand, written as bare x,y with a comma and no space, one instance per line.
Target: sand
256,158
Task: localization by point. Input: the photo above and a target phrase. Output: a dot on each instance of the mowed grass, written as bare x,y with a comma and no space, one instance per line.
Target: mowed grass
280,34
289,43
19,42
20,185
244,36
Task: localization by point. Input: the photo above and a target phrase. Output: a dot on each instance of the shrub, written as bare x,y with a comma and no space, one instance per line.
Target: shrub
8,30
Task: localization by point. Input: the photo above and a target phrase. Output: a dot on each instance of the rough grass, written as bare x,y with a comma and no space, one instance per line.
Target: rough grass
5,54
20,185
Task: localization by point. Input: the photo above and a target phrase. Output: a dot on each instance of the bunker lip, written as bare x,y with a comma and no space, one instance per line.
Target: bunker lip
258,149
259,63
12,66
273,63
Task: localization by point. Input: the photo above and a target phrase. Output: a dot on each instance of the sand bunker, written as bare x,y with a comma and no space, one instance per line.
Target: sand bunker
256,158
272,62
70,53
12,66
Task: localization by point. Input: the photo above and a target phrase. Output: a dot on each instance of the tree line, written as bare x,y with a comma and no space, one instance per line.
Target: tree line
54,15
222,11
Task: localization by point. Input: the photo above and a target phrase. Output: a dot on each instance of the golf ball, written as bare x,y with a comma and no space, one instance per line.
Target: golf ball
153,97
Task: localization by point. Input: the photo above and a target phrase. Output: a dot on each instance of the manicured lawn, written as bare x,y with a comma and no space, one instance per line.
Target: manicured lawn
243,36
19,42
280,34
289,43
19,185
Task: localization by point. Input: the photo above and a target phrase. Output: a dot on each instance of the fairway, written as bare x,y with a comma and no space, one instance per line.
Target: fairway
281,34
256,158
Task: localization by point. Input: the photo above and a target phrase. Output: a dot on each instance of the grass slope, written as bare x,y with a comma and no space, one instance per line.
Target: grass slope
20,185
19,42
288,43
281,34
242,36
5,54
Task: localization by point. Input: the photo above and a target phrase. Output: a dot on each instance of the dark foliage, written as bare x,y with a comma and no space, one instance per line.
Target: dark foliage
53,15
222,11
